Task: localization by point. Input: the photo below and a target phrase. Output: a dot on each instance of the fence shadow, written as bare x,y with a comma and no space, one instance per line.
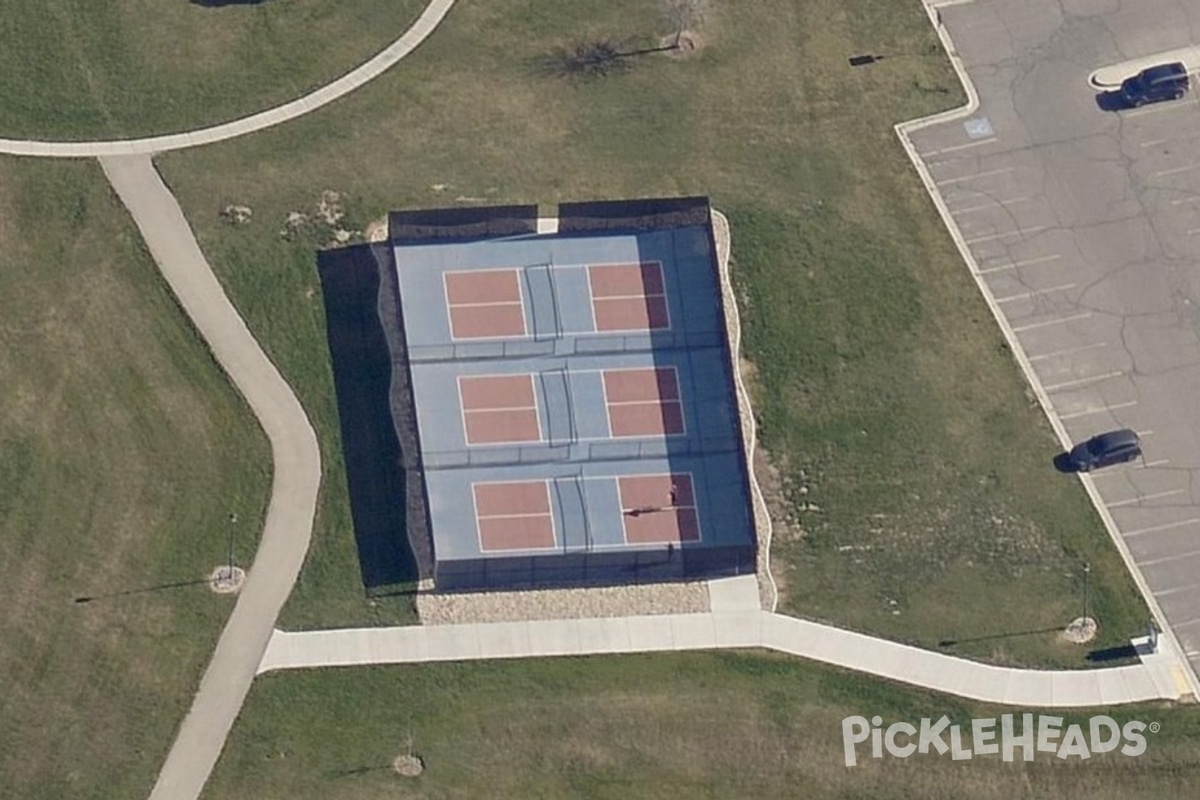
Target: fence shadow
222,3
362,374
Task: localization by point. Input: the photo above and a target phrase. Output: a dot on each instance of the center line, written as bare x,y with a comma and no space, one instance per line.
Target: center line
973,176
1048,322
1167,526
1144,498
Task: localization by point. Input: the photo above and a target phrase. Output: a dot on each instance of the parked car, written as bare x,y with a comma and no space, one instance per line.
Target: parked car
1163,82
1106,449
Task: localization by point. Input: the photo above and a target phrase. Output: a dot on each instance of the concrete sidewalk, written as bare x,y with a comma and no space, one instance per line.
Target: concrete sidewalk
424,25
1157,678
295,481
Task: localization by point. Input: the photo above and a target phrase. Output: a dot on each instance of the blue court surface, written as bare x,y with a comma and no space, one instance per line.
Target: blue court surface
573,395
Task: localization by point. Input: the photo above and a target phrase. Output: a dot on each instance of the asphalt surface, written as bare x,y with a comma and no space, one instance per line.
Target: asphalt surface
295,482
1081,220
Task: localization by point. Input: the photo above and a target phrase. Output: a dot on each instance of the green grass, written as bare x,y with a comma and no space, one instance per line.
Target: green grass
122,452
881,380
719,725
84,69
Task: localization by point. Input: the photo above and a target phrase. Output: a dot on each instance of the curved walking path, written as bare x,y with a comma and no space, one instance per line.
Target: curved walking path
732,625
385,60
295,481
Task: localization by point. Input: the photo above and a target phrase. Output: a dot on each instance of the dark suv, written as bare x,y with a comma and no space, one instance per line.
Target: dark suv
1105,449
1164,82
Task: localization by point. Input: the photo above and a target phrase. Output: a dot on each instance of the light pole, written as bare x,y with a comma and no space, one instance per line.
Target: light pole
229,570
1087,570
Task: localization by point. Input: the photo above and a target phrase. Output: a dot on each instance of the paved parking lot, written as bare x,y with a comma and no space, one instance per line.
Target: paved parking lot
1084,225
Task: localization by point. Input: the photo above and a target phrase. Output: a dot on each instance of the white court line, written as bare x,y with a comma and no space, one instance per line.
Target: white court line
973,176
1054,387
1068,351
1100,410
1015,264
991,236
1143,498
958,147
994,204
1048,322
1175,171
485,303
1012,297
1181,523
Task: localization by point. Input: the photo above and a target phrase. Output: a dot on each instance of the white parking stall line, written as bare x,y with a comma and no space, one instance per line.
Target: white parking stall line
1068,352
1025,295
1143,498
1162,462
958,147
992,236
1184,200
1175,171
994,204
1029,262
1153,142
1102,409
1193,231
1166,527
1175,590
1177,556
1046,323
1054,387
973,176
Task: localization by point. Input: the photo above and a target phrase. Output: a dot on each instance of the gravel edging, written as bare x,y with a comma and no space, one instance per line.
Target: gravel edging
572,603
768,591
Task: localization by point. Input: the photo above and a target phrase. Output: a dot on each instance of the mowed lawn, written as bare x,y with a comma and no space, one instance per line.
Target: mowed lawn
95,69
123,451
720,725
889,404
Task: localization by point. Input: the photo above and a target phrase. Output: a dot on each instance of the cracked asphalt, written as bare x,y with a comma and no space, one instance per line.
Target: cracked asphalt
1084,224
